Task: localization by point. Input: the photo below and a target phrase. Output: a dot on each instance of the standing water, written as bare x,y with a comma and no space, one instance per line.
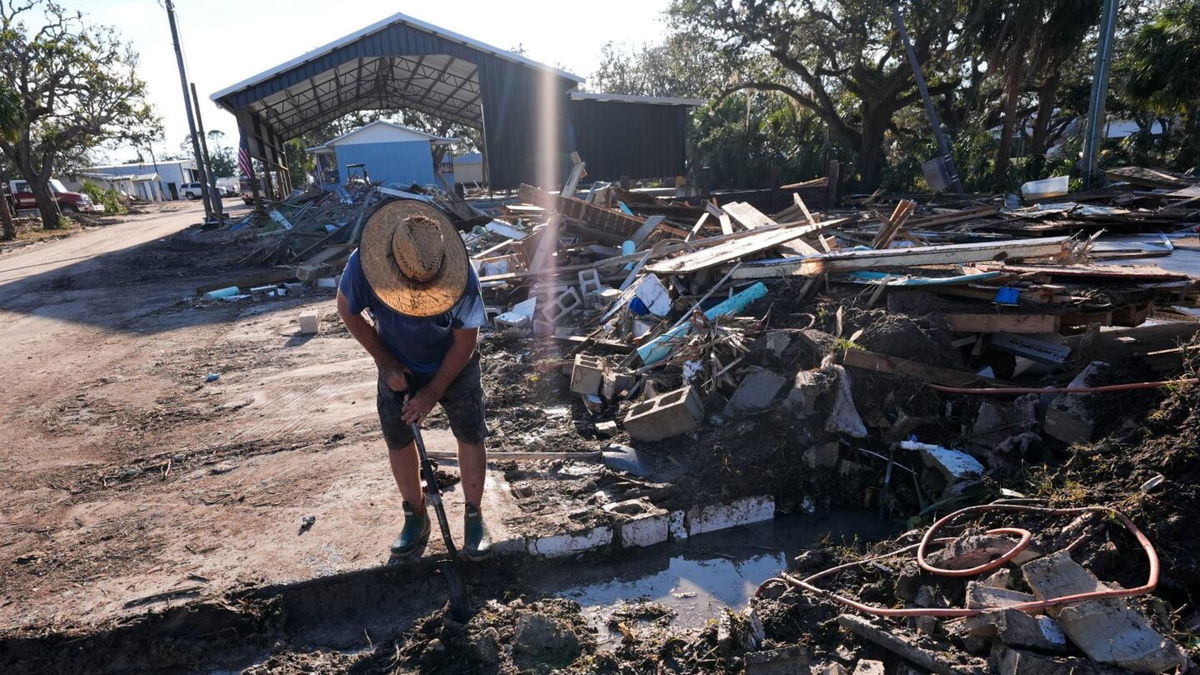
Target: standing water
699,577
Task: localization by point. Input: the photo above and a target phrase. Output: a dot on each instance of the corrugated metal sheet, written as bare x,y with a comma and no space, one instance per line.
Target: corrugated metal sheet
635,140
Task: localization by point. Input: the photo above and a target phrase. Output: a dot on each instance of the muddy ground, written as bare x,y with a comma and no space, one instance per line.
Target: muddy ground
144,504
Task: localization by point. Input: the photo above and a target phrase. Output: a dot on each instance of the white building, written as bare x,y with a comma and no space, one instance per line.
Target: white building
143,186
172,174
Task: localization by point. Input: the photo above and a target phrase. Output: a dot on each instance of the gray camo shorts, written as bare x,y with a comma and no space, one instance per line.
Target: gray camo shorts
463,403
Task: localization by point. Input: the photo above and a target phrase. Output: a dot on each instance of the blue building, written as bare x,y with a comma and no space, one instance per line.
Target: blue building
389,152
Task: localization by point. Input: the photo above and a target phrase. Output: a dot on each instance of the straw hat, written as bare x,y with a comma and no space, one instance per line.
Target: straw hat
413,258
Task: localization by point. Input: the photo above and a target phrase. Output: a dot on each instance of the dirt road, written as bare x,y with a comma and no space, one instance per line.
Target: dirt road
124,474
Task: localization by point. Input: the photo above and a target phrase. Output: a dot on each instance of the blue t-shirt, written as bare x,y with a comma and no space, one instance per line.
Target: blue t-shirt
419,343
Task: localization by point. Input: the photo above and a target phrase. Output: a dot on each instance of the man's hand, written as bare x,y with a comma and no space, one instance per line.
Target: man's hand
418,406
395,377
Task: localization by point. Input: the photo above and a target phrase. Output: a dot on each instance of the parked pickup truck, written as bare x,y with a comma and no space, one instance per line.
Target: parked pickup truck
20,197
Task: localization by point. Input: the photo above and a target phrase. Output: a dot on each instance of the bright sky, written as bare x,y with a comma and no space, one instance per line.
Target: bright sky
227,41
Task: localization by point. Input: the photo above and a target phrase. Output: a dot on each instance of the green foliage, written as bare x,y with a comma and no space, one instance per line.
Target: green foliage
113,201
77,87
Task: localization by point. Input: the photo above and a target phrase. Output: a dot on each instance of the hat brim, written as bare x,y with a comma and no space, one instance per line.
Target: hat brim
400,293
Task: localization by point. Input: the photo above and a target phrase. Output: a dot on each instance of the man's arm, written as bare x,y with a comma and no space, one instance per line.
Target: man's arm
391,368
457,358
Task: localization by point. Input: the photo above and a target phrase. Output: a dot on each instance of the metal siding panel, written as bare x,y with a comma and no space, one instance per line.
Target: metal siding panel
637,140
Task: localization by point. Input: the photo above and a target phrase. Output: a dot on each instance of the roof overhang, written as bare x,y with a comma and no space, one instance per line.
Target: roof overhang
375,28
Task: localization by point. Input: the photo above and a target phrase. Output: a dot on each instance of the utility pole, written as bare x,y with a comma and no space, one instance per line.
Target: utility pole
1096,99
218,210
934,121
187,103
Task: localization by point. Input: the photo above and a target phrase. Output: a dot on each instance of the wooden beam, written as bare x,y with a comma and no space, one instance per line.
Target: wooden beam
846,261
882,363
732,250
1004,323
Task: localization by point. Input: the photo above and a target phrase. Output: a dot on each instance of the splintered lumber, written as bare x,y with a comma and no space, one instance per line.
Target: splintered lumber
846,261
616,225
882,363
750,217
1126,273
734,249
887,233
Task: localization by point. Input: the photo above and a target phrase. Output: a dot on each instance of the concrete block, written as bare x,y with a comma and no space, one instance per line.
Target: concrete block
671,414
643,524
677,526
511,321
714,517
570,543
615,383
310,322
589,281
587,374
1108,630
755,393
1005,660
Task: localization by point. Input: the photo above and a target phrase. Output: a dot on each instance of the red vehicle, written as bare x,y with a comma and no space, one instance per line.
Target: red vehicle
20,197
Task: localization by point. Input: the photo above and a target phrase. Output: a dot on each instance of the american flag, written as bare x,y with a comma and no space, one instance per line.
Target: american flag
244,158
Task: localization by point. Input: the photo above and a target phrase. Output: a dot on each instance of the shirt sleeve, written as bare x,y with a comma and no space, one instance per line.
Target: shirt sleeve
354,284
468,312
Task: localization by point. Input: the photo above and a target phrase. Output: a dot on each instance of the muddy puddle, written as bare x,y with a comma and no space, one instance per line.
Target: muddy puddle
697,578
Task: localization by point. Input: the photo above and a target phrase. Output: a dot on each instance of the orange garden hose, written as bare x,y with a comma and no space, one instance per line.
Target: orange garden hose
1025,538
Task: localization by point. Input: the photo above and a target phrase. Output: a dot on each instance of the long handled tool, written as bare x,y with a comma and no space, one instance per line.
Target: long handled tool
451,569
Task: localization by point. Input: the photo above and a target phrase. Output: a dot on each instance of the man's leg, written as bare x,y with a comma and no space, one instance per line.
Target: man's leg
472,465
402,456
406,469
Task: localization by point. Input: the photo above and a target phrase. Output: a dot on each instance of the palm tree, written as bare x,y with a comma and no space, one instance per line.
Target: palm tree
10,125
1164,64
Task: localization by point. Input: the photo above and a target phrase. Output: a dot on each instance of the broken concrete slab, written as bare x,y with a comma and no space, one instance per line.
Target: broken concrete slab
671,414
1005,660
1070,418
980,596
868,667
1018,629
783,661
755,393
1107,630
807,387
897,641
957,467
844,418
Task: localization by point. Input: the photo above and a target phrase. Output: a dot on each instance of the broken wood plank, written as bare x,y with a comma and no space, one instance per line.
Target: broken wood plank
846,261
1130,273
883,363
892,226
804,208
947,218
1004,323
754,243
750,217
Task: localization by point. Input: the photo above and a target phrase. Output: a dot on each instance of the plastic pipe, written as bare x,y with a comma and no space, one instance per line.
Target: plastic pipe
664,345
1013,391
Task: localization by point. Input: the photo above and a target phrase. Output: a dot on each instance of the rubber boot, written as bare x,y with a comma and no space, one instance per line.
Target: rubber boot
477,543
415,534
